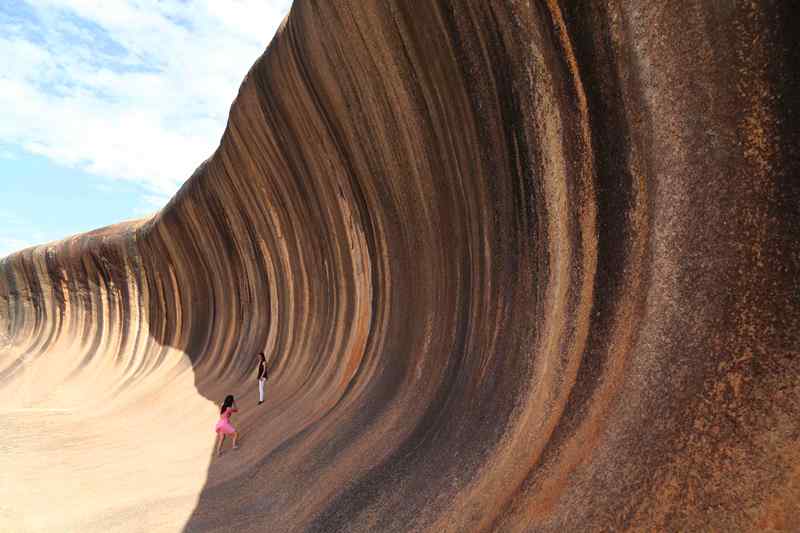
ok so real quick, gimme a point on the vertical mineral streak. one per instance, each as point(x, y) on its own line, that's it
point(519, 266)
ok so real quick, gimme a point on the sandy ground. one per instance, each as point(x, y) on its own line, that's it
point(83, 457)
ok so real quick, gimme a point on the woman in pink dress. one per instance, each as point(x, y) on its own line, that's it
point(224, 426)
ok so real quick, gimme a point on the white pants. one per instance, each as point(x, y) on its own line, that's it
point(261, 389)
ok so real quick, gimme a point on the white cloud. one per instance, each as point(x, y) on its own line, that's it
point(155, 200)
point(10, 245)
point(9, 218)
point(128, 89)
point(10, 221)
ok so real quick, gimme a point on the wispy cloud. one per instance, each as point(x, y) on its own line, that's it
point(11, 222)
point(127, 89)
point(10, 245)
point(9, 218)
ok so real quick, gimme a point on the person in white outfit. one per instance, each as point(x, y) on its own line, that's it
point(262, 376)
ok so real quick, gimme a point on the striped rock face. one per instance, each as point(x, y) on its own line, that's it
point(516, 266)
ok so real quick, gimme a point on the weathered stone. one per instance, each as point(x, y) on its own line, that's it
point(519, 266)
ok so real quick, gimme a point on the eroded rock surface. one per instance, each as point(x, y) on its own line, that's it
point(520, 266)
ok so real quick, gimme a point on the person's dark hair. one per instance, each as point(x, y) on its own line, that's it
point(263, 357)
point(227, 403)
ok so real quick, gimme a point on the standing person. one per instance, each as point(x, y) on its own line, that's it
point(224, 426)
point(262, 376)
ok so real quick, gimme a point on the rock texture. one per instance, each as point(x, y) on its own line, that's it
point(518, 266)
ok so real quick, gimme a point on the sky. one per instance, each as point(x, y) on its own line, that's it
point(108, 106)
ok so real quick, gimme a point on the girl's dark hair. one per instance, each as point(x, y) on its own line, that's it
point(263, 357)
point(227, 403)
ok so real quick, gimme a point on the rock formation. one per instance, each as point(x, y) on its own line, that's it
point(517, 265)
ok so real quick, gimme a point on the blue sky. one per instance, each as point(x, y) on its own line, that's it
point(107, 106)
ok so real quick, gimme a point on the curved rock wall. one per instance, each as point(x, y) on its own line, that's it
point(518, 266)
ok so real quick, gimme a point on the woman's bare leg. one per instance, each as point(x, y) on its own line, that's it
point(220, 440)
point(235, 436)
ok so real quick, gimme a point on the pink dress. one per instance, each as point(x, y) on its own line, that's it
point(224, 422)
